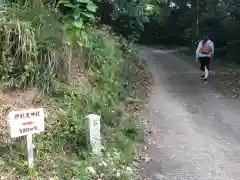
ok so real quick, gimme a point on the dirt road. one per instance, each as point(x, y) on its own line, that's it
point(196, 129)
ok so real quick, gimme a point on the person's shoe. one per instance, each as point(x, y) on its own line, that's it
point(205, 80)
point(202, 77)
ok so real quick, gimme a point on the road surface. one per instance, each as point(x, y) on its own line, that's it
point(195, 128)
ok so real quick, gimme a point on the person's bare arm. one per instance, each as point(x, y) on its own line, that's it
point(212, 50)
point(197, 50)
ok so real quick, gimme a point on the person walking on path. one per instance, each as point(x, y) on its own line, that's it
point(204, 54)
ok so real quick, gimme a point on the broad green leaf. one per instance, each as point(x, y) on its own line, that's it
point(76, 13)
point(70, 35)
point(80, 43)
point(78, 24)
point(88, 15)
point(63, 2)
point(149, 7)
point(69, 5)
point(76, 16)
point(83, 1)
point(92, 7)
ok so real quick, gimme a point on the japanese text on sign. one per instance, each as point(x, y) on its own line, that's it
point(27, 115)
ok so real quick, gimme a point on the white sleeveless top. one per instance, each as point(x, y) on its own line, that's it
point(210, 44)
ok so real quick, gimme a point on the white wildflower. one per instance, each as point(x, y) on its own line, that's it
point(129, 170)
point(91, 170)
point(117, 155)
point(123, 167)
point(54, 178)
point(117, 173)
point(103, 164)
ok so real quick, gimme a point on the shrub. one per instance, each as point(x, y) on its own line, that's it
point(126, 17)
point(78, 9)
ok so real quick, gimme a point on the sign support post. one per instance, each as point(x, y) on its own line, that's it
point(30, 152)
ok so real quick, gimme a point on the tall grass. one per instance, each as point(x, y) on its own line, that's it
point(33, 50)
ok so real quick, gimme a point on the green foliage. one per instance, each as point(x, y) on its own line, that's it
point(126, 17)
point(78, 9)
point(29, 55)
point(36, 49)
point(64, 141)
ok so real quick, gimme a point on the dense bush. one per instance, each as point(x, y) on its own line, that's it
point(126, 17)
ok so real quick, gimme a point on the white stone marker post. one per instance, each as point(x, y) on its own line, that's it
point(93, 127)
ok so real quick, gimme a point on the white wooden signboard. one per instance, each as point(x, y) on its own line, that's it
point(93, 133)
point(24, 122)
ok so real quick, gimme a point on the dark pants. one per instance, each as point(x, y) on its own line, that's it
point(204, 62)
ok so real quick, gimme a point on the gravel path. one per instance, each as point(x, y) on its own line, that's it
point(195, 128)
